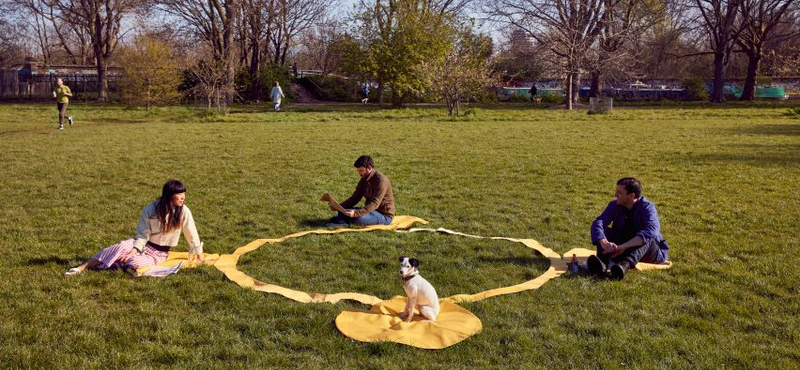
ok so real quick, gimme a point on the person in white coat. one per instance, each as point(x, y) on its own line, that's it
point(276, 95)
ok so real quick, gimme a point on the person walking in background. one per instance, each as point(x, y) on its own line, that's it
point(366, 93)
point(533, 94)
point(62, 93)
point(294, 69)
point(276, 95)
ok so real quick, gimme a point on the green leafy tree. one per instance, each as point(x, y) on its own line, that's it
point(397, 37)
point(151, 75)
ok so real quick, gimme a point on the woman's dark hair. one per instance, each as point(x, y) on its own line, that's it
point(364, 161)
point(168, 215)
point(632, 185)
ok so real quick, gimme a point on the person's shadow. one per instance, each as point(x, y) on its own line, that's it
point(51, 259)
point(313, 223)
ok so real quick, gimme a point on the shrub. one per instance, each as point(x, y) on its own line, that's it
point(332, 88)
point(257, 88)
point(695, 88)
point(151, 75)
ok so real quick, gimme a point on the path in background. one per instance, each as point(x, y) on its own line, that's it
point(301, 95)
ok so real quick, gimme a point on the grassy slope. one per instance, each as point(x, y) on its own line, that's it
point(725, 183)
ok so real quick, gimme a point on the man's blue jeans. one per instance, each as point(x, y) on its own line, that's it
point(372, 218)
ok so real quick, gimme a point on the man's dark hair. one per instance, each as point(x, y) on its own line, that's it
point(364, 161)
point(632, 185)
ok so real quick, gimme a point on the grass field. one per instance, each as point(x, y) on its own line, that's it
point(726, 183)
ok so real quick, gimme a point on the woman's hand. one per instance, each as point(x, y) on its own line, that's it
point(128, 256)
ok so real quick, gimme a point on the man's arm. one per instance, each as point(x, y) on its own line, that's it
point(355, 198)
point(600, 223)
point(373, 204)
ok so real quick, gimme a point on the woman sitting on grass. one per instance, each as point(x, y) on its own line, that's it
point(159, 229)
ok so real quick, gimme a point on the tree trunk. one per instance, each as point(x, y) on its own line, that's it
point(380, 92)
point(568, 91)
point(102, 79)
point(753, 62)
point(595, 89)
point(576, 87)
point(718, 93)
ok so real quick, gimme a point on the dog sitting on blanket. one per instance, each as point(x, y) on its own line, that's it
point(421, 294)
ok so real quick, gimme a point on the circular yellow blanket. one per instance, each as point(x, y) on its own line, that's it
point(382, 324)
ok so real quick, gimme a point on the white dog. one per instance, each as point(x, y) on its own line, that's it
point(420, 292)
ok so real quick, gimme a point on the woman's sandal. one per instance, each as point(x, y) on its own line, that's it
point(73, 271)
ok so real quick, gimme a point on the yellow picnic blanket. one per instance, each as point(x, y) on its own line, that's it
point(382, 324)
point(583, 254)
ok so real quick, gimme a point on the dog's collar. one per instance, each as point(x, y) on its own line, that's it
point(407, 278)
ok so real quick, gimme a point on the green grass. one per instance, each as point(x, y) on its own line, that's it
point(725, 181)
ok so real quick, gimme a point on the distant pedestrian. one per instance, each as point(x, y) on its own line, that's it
point(276, 95)
point(62, 93)
point(533, 94)
point(294, 69)
point(366, 93)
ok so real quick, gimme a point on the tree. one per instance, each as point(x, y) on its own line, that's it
point(568, 28)
point(518, 57)
point(318, 47)
point(719, 17)
point(214, 22)
point(151, 74)
point(293, 17)
point(759, 21)
point(397, 37)
point(463, 73)
point(621, 20)
point(102, 20)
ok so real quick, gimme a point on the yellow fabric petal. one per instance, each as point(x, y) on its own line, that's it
point(175, 258)
point(382, 324)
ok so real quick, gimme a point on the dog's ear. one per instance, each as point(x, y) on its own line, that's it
point(414, 262)
point(402, 258)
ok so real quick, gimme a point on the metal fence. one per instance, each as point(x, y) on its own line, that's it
point(13, 84)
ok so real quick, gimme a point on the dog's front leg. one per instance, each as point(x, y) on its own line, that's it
point(410, 304)
point(405, 309)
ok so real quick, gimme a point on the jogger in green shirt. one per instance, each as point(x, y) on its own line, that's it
point(62, 93)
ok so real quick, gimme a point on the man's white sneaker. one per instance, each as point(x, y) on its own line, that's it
point(60, 127)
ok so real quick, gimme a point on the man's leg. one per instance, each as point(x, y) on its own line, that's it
point(340, 220)
point(648, 253)
point(372, 218)
point(62, 112)
point(597, 263)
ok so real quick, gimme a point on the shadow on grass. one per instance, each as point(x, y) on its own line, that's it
point(755, 154)
point(537, 261)
point(120, 121)
point(52, 259)
point(786, 129)
point(313, 223)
